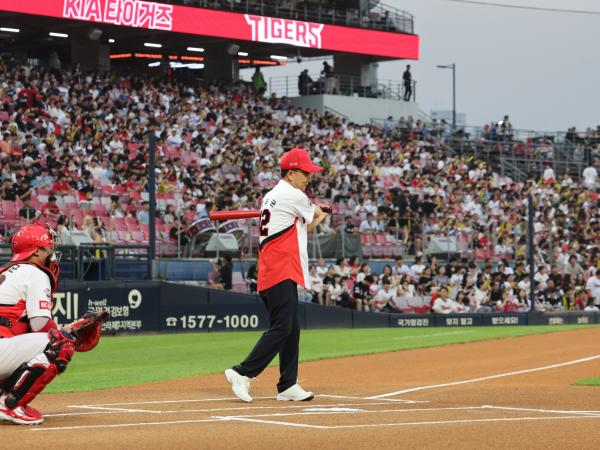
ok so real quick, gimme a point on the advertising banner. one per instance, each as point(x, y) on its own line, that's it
point(207, 22)
point(130, 308)
point(152, 306)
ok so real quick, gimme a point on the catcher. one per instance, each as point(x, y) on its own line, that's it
point(33, 351)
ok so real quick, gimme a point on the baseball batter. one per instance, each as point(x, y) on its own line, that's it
point(287, 215)
point(32, 350)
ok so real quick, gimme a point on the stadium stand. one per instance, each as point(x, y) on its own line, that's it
point(73, 145)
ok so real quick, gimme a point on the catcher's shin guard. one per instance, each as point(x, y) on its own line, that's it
point(25, 383)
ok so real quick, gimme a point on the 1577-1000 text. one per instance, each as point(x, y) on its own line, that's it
point(199, 321)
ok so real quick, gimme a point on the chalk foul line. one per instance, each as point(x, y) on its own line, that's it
point(489, 377)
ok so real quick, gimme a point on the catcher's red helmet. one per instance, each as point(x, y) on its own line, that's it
point(29, 238)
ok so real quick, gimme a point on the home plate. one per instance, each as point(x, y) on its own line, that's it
point(333, 410)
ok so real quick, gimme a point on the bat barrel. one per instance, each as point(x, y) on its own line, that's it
point(232, 215)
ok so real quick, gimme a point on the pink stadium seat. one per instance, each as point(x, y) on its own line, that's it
point(380, 239)
point(130, 226)
point(124, 236)
point(118, 224)
point(137, 236)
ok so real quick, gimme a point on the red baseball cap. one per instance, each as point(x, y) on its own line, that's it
point(297, 158)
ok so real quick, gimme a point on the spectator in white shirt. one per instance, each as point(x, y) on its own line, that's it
point(383, 300)
point(542, 275)
point(549, 176)
point(444, 305)
point(369, 225)
point(316, 285)
point(342, 268)
point(593, 288)
point(321, 267)
point(590, 176)
point(417, 268)
point(399, 267)
point(175, 139)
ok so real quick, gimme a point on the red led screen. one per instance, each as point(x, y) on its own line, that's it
point(207, 22)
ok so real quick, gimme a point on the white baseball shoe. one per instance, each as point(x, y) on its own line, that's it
point(295, 394)
point(22, 415)
point(240, 385)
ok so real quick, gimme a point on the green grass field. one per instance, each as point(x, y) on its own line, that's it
point(126, 360)
point(589, 382)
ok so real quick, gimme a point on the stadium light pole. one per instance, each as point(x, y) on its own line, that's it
point(453, 67)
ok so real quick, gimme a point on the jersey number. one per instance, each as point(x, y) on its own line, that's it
point(265, 216)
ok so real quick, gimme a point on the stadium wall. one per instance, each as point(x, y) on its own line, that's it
point(154, 306)
point(358, 109)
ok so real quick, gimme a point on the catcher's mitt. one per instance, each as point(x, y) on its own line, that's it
point(87, 329)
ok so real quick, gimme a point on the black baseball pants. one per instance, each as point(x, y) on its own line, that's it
point(283, 336)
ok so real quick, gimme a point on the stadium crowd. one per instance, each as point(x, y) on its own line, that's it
point(73, 151)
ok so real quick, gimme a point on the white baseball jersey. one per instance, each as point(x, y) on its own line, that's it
point(24, 293)
point(284, 217)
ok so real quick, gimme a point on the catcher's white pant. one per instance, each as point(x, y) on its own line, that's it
point(17, 350)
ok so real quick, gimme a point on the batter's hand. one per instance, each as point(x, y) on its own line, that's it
point(324, 208)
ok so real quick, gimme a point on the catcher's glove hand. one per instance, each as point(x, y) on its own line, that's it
point(87, 329)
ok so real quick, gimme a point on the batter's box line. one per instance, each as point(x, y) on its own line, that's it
point(109, 410)
point(546, 411)
point(406, 424)
point(391, 400)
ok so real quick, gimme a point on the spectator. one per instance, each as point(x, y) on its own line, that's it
point(27, 211)
point(321, 267)
point(342, 268)
point(305, 83)
point(169, 214)
point(316, 286)
point(361, 294)
point(369, 225)
point(144, 214)
point(407, 79)
point(61, 187)
point(177, 234)
point(399, 267)
point(441, 279)
point(591, 306)
point(417, 268)
point(51, 209)
point(383, 301)
point(445, 305)
point(252, 277)
point(258, 81)
point(593, 288)
point(348, 226)
point(590, 176)
point(224, 267)
point(116, 209)
point(9, 190)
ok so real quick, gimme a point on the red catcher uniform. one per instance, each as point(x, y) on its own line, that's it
point(284, 217)
point(29, 359)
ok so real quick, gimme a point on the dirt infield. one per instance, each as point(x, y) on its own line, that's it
point(513, 392)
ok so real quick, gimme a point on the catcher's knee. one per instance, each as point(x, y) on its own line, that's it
point(32, 377)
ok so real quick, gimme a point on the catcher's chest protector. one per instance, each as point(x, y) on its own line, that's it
point(13, 319)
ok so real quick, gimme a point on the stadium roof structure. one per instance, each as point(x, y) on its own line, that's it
point(127, 25)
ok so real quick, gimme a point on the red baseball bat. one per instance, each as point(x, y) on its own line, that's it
point(232, 215)
point(244, 214)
